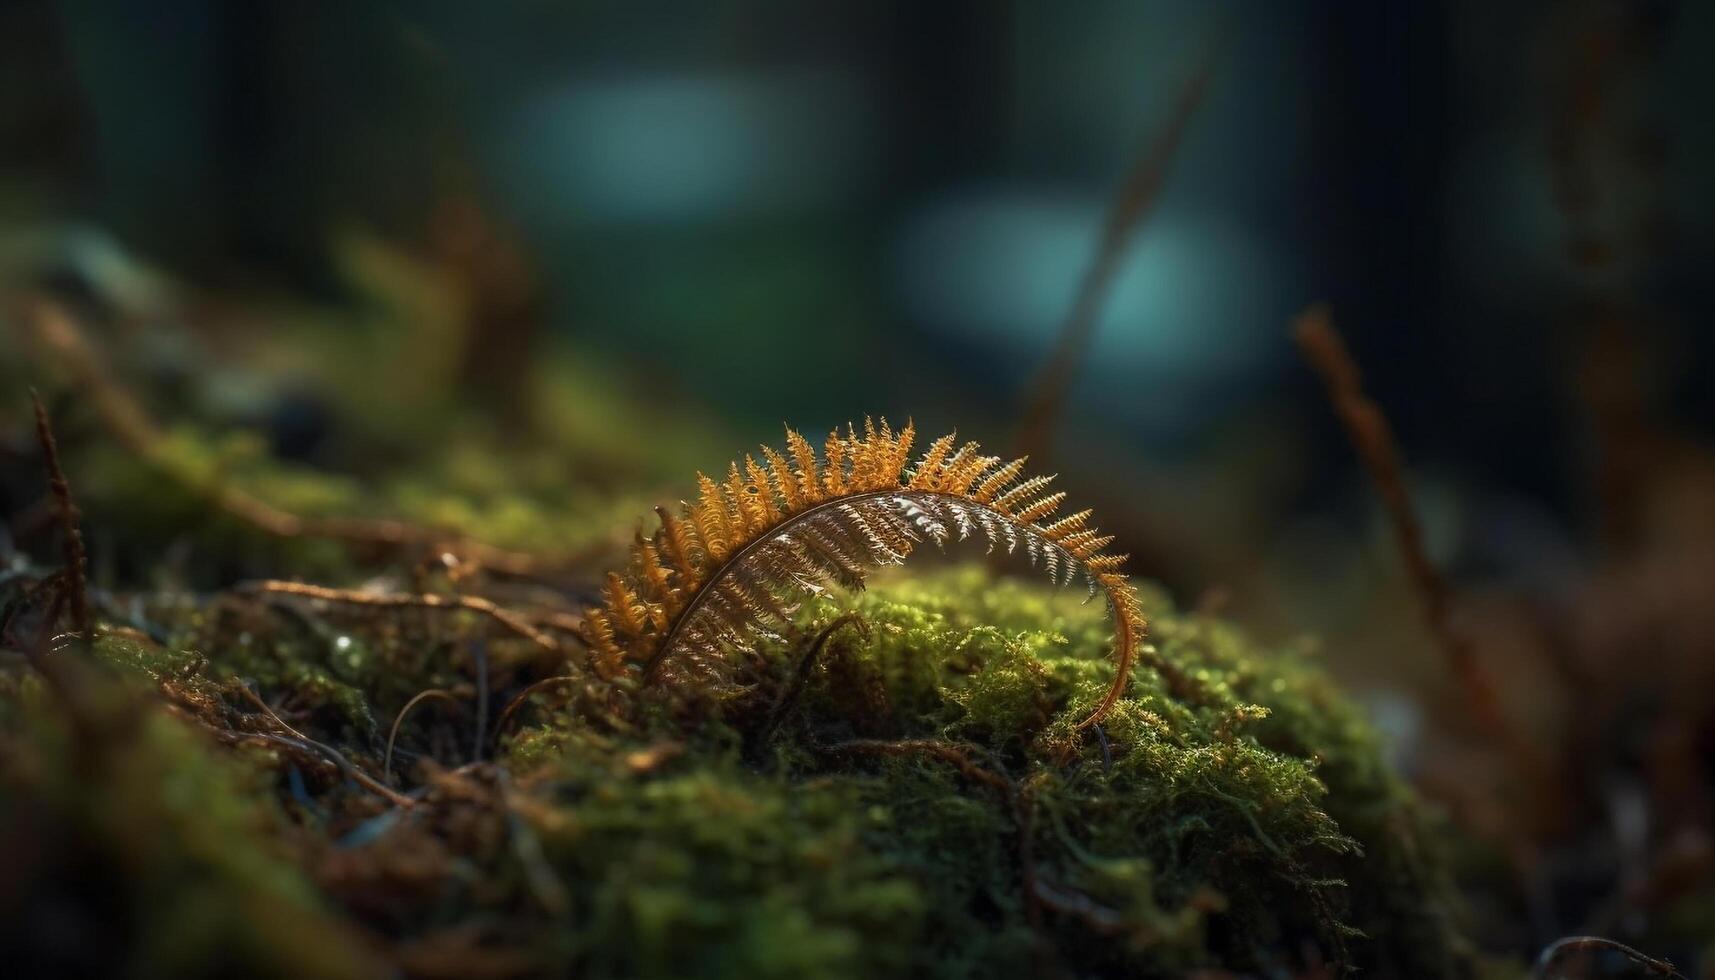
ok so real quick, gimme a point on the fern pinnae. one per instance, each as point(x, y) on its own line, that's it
point(727, 568)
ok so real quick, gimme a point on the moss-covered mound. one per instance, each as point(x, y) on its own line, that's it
point(900, 791)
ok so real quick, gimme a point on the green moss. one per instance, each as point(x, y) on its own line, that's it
point(134, 843)
point(922, 805)
point(699, 867)
point(1182, 814)
point(471, 490)
point(1181, 835)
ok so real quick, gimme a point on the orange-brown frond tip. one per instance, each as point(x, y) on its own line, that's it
point(805, 471)
point(1089, 548)
point(996, 481)
point(781, 480)
point(656, 578)
point(762, 489)
point(961, 469)
point(1041, 508)
point(834, 472)
point(1068, 524)
point(927, 475)
point(709, 517)
point(676, 544)
point(745, 513)
point(1022, 492)
point(1106, 563)
point(623, 609)
point(902, 449)
point(605, 652)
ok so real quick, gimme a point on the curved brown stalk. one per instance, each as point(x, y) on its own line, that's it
point(1563, 949)
point(1367, 427)
point(524, 695)
point(399, 719)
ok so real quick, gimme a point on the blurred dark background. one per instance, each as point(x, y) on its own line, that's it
point(805, 213)
point(520, 267)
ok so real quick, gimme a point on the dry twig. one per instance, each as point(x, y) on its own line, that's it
point(1561, 948)
point(304, 743)
point(327, 753)
point(407, 600)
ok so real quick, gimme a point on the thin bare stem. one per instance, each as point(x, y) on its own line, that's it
point(399, 719)
point(1131, 205)
point(1372, 437)
point(268, 709)
point(303, 742)
point(479, 660)
point(332, 755)
point(71, 538)
point(807, 663)
point(1561, 948)
point(406, 600)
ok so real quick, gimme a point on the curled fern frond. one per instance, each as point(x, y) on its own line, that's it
point(727, 569)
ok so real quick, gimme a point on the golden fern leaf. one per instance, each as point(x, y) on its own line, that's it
point(993, 482)
point(605, 650)
point(675, 544)
point(927, 475)
point(834, 469)
point(1068, 525)
point(744, 504)
point(728, 569)
point(781, 478)
point(656, 578)
point(629, 616)
point(708, 518)
point(807, 474)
